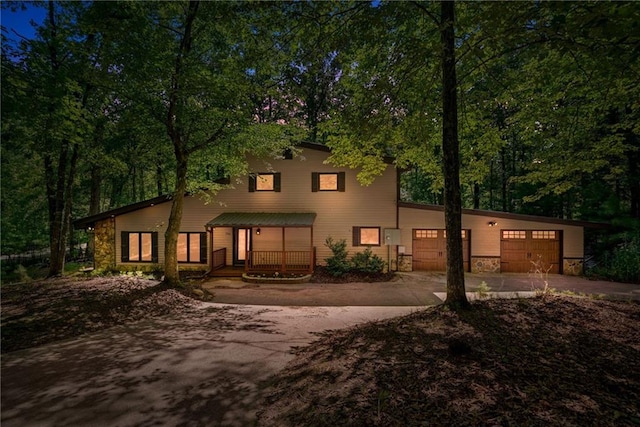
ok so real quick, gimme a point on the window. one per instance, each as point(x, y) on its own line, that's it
point(366, 236)
point(264, 182)
point(139, 246)
point(321, 181)
point(514, 234)
point(192, 247)
point(543, 234)
point(463, 234)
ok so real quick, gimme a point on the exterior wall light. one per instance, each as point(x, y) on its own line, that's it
point(493, 223)
point(258, 231)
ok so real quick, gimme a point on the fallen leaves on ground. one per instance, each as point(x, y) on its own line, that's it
point(45, 311)
point(556, 360)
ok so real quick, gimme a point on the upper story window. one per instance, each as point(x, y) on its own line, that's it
point(327, 181)
point(366, 236)
point(139, 246)
point(264, 182)
point(192, 247)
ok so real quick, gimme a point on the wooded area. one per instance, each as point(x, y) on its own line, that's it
point(117, 102)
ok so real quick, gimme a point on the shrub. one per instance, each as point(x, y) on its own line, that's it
point(338, 264)
point(367, 262)
point(621, 264)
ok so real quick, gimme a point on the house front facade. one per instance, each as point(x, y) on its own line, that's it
point(279, 216)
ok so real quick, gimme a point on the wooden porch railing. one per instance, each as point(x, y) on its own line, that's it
point(219, 258)
point(281, 261)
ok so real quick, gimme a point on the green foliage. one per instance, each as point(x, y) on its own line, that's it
point(620, 263)
point(367, 262)
point(483, 290)
point(337, 264)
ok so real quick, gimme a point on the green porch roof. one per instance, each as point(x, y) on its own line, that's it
point(262, 219)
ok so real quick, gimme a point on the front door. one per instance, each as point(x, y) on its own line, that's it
point(241, 245)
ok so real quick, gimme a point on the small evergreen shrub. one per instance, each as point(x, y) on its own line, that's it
point(337, 264)
point(367, 262)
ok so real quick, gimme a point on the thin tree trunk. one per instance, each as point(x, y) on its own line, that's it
point(159, 180)
point(94, 200)
point(456, 296)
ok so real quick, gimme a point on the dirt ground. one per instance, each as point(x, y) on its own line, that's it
point(127, 351)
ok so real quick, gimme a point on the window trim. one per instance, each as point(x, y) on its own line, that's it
point(315, 181)
point(203, 247)
point(253, 178)
point(357, 236)
point(124, 246)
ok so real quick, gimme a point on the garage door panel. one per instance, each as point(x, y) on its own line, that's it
point(430, 250)
point(525, 251)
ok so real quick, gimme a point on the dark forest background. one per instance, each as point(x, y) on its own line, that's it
point(95, 106)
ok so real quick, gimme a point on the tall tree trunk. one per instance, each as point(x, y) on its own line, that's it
point(94, 200)
point(174, 130)
point(476, 195)
point(59, 227)
point(159, 179)
point(456, 296)
point(504, 180)
point(171, 273)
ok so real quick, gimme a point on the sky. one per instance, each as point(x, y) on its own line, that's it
point(19, 20)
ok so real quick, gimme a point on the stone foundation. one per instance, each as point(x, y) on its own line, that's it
point(405, 263)
point(573, 266)
point(485, 264)
point(105, 244)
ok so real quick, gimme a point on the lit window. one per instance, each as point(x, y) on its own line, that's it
point(543, 234)
point(192, 247)
point(264, 182)
point(139, 247)
point(514, 234)
point(321, 181)
point(366, 236)
point(328, 182)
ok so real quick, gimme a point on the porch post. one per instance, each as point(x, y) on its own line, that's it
point(312, 258)
point(284, 251)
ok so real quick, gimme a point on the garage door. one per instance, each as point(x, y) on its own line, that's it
point(524, 251)
point(430, 249)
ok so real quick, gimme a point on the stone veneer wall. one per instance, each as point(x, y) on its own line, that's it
point(573, 266)
point(405, 263)
point(485, 264)
point(105, 244)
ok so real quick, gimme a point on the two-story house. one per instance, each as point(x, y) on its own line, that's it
point(279, 218)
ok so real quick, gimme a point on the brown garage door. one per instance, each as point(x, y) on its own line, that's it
point(524, 251)
point(430, 249)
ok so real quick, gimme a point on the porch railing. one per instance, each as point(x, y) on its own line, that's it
point(219, 258)
point(281, 261)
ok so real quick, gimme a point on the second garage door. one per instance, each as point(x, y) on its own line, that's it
point(430, 249)
point(524, 251)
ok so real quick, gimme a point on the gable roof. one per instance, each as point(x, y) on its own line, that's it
point(90, 221)
point(508, 215)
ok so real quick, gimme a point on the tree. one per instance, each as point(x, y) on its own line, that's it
point(193, 70)
point(53, 91)
point(456, 296)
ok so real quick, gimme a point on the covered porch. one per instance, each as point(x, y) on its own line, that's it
point(248, 242)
